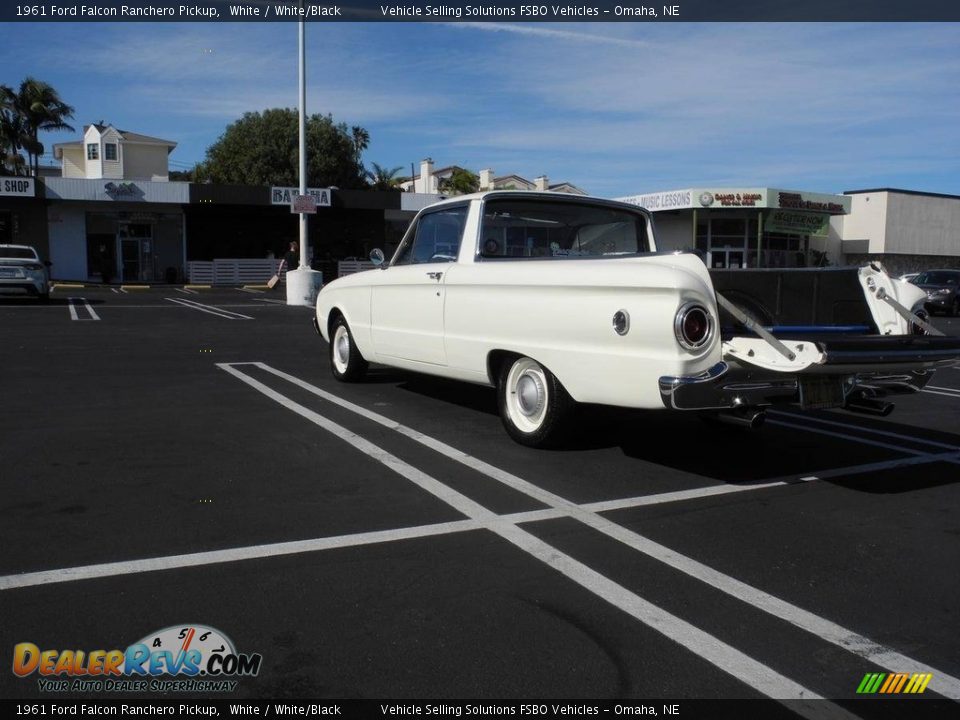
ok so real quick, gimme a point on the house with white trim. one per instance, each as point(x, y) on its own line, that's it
point(106, 153)
point(429, 179)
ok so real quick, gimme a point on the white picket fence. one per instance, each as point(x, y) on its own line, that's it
point(232, 271)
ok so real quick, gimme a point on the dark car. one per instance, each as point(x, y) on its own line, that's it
point(941, 287)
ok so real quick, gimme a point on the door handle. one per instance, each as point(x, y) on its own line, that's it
point(435, 275)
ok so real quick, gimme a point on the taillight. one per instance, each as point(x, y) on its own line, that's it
point(693, 326)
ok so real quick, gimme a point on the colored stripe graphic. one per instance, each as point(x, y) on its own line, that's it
point(894, 683)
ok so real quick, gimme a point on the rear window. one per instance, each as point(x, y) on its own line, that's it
point(18, 253)
point(534, 228)
point(937, 277)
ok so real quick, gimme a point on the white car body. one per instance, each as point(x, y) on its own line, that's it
point(21, 269)
point(461, 313)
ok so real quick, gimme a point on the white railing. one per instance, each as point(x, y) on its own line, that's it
point(232, 271)
point(348, 267)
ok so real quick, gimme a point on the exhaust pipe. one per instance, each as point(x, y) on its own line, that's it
point(752, 418)
point(870, 406)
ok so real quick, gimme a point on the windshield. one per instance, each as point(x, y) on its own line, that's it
point(936, 278)
point(535, 228)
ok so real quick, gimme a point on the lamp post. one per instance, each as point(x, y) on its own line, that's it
point(303, 284)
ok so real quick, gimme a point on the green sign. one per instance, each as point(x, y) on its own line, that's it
point(794, 222)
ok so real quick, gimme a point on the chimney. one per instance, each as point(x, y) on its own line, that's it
point(486, 179)
point(541, 183)
point(428, 183)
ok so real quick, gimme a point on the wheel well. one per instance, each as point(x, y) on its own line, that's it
point(495, 362)
point(331, 319)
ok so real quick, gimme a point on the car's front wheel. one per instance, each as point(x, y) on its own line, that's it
point(346, 362)
point(534, 406)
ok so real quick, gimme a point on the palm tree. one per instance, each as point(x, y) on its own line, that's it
point(11, 132)
point(40, 108)
point(383, 178)
point(361, 140)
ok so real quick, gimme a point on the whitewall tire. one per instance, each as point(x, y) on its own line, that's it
point(533, 404)
point(346, 362)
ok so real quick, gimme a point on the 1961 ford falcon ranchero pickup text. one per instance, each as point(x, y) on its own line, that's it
point(557, 299)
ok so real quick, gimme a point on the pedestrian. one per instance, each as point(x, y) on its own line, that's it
point(291, 259)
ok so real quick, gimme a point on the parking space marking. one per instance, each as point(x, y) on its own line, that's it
point(935, 390)
point(253, 291)
point(211, 310)
point(187, 291)
point(213, 557)
point(74, 315)
point(798, 617)
point(877, 466)
point(269, 300)
point(725, 657)
point(865, 429)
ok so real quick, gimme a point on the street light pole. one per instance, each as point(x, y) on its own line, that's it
point(302, 74)
point(303, 284)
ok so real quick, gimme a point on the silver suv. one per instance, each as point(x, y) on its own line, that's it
point(21, 269)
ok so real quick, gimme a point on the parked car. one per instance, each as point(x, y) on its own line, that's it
point(557, 299)
point(942, 288)
point(21, 269)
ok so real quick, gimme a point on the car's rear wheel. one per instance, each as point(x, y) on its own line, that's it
point(346, 362)
point(534, 406)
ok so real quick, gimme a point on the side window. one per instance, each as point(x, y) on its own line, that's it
point(436, 238)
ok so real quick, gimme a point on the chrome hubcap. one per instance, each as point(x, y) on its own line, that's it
point(343, 348)
point(529, 394)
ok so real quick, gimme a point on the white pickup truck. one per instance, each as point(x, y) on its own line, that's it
point(556, 299)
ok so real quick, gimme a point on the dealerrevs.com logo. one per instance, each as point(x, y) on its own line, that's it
point(188, 658)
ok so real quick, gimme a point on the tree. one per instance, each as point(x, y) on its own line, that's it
point(460, 182)
point(38, 107)
point(262, 148)
point(11, 133)
point(361, 141)
point(383, 178)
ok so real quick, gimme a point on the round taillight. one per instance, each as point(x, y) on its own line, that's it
point(693, 326)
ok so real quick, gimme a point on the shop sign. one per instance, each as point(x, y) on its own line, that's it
point(732, 198)
point(16, 187)
point(286, 195)
point(122, 191)
point(792, 222)
point(673, 200)
point(804, 201)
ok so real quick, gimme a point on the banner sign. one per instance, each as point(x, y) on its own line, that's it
point(792, 222)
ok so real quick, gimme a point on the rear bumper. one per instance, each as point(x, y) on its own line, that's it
point(729, 386)
point(34, 287)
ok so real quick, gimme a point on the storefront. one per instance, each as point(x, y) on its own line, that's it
point(23, 219)
point(116, 230)
point(747, 227)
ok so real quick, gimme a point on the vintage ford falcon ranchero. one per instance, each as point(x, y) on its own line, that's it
point(557, 299)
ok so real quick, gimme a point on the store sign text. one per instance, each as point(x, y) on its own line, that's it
point(796, 201)
point(21, 187)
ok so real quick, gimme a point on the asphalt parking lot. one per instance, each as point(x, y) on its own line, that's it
point(185, 457)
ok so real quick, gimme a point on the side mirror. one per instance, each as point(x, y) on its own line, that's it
point(376, 257)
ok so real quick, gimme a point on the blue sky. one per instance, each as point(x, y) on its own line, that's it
point(615, 108)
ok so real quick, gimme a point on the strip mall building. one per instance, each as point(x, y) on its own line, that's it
point(150, 230)
point(738, 227)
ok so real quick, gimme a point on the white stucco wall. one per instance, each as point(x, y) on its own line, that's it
point(922, 224)
point(867, 220)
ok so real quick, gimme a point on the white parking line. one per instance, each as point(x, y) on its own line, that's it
point(251, 291)
point(825, 629)
point(862, 429)
point(187, 291)
point(727, 658)
point(948, 392)
point(74, 315)
point(211, 310)
point(268, 300)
